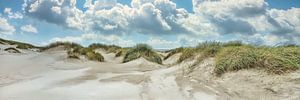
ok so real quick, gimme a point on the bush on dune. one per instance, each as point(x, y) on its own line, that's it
point(142, 50)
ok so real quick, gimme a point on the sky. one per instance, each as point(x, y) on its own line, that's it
point(163, 24)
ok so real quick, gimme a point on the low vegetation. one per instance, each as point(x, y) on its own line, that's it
point(122, 52)
point(12, 50)
point(109, 48)
point(173, 51)
point(275, 60)
point(234, 55)
point(19, 45)
point(89, 53)
point(142, 50)
point(67, 45)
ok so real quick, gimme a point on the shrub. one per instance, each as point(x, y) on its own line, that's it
point(142, 50)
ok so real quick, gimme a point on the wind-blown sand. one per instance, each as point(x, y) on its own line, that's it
point(50, 75)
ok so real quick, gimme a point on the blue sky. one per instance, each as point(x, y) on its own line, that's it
point(160, 23)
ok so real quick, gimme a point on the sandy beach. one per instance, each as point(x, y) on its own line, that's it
point(50, 75)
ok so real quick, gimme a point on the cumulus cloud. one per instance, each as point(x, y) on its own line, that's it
point(12, 15)
point(210, 19)
point(5, 27)
point(59, 12)
point(29, 29)
point(108, 16)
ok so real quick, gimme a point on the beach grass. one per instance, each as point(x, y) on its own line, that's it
point(142, 50)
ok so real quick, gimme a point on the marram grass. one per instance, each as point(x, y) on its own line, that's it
point(142, 50)
point(275, 60)
point(234, 56)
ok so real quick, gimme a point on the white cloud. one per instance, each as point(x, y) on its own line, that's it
point(211, 19)
point(29, 29)
point(5, 27)
point(12, 15)
point(52, 11)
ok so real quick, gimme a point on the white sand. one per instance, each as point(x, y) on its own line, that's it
point(50, 75)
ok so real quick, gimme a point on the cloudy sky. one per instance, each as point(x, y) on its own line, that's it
point(159, 23)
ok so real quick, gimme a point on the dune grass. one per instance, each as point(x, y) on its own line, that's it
point(12, 50)
point(275, 60)
point(173, 51)
point(20, 45)
point(89, 53)
point(122, 52)
point(234, 56)
point(108, 48)
point(67, 45)
point(142, 50)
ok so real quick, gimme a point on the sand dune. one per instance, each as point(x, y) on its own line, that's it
point(50, 75)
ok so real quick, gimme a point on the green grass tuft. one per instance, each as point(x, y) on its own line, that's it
point(142, 50)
